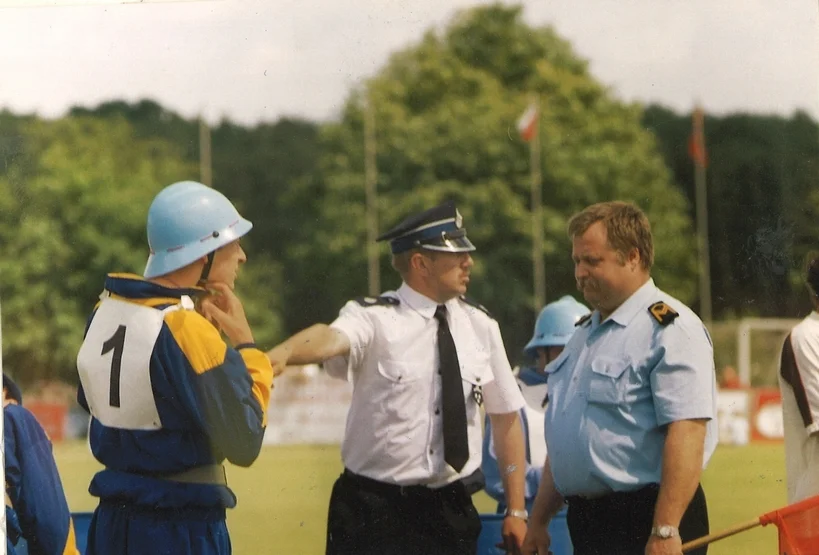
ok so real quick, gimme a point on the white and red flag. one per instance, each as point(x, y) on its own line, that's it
point(527, 124)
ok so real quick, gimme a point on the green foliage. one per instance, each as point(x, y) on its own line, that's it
point(150, 120)
point(763, 205)
point(269, 173)
point(75, 191)
point(446, 112)
point(74, 206)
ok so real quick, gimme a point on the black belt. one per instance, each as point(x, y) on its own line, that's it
point(613, 498)
point(467, 484)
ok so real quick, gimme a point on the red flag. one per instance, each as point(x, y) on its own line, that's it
point(696, 141)
point(798, 526)
point(527, 124)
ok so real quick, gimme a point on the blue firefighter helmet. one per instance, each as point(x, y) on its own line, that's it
point(555, 324)
point(188, 220)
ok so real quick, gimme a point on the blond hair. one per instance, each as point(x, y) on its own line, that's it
point(627, 228)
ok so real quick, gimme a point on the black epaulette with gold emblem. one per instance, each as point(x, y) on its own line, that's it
point(378, 301)
point(476, 304)
point(663, 313)
point(583, 319)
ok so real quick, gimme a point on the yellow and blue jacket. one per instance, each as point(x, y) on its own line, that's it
point(209, 400)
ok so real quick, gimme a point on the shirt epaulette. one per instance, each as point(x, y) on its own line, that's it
point(378, 301)
point(476, 304)
point(583, 319)
point(663, 313)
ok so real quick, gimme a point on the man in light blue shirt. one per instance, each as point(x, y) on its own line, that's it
point(631, 420)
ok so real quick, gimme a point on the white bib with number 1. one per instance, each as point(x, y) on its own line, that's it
point(114, 363)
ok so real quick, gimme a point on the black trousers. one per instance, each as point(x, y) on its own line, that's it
point(368, 517)
point(620, 523)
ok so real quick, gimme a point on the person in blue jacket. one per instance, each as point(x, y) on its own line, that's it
point(170, 400)
point(36, 509)
point(554, 326)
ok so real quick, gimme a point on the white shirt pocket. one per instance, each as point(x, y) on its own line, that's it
point(476, 365)
point(399, 371)
point(607, 383)
point(399, 392)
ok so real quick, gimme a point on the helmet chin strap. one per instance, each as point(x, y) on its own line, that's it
point(203, 278)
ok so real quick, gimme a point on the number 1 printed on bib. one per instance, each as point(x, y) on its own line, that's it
point(114, 365)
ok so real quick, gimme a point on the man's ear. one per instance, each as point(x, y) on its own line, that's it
point(419, 263)
point(416, 262)
point(633, 259)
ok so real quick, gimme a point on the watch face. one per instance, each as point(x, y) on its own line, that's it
point(665, 531)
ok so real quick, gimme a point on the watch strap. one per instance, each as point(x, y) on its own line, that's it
point(522, 514)
point(665, 531)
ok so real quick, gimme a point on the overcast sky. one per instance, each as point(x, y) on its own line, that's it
point(258, 60)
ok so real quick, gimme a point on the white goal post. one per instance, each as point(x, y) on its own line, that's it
point(746, 327)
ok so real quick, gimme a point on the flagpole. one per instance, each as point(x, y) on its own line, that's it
point(702, 216)
point(371, 194)
point(538, 269)
point(205, 164)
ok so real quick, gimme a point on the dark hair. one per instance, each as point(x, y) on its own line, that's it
point(12, 390)
point(812, 273)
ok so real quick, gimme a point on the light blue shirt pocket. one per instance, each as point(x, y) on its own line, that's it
point(607, 383)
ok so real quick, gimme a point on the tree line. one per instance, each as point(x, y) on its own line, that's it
point(75, 190)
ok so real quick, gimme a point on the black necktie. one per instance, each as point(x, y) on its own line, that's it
point(456, 443)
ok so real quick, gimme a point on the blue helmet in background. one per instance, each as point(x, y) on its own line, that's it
point(555, 324)
point(188, 220)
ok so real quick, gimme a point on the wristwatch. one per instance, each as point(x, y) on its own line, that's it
point(522, 514)
point(664, 531)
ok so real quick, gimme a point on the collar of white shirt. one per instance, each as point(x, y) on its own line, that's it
point(421, 304)
point(626, 312)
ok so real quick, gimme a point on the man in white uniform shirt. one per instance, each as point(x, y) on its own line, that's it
point(423, 360)
point(799, 383)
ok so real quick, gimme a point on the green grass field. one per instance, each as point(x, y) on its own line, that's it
point(283, 497)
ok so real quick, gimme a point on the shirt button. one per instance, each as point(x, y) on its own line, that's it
point(437, 411)
point(478, 380)
point(430, 451)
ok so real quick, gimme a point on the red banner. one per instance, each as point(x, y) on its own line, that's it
point(51, 417)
